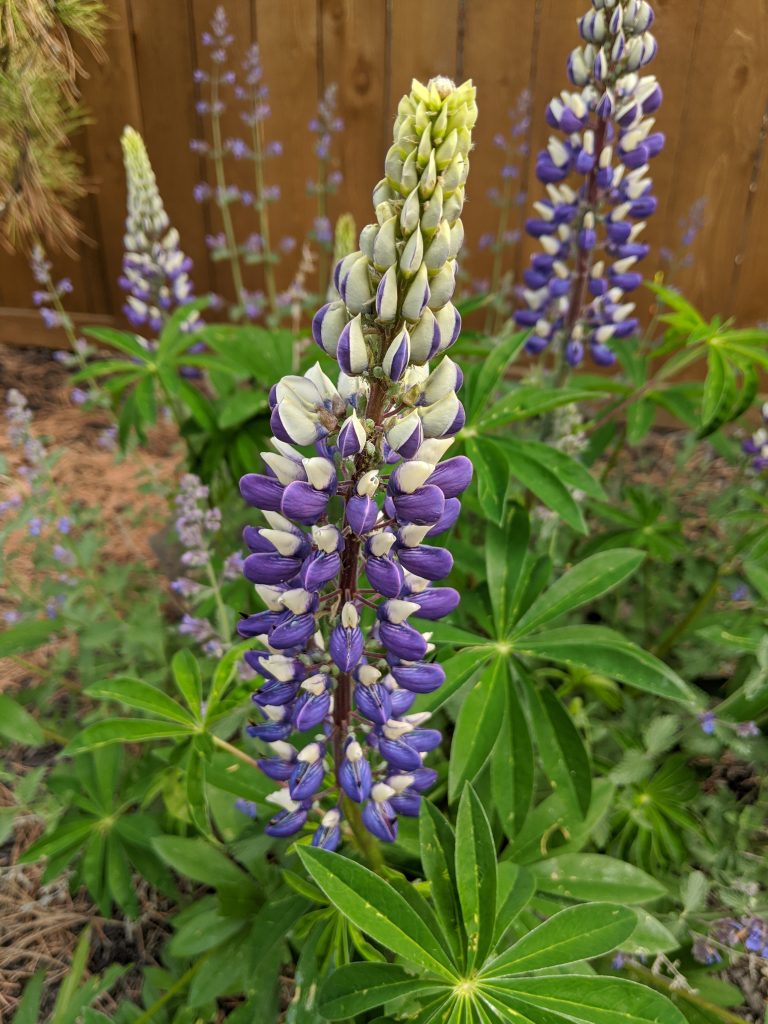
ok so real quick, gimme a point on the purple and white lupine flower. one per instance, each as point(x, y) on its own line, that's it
point(756, 446)
point(598, 190)
point(155, 269)
point(353, 492)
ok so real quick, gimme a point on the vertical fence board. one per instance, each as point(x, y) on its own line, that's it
point(719, 134)
point(423, 45)
point(111, 96)
point(712, 66)
point(353, 47)
point(498, 58)
point(750, 282)
point(293, 83)
point(163, 36)
point(242, 27)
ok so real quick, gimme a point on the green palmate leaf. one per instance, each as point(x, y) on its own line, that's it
point(575, 999)
point(604, 651)
point(121, 340)
point(200, 861)
point(101, 367)
point(126, 730)
point(477, 726)
point(63, 837)
point(650, 936)
point(240, 407)
point(376, 908)
point(475, 875)
point(186, 675)
point(224, 673)
point(592, 876)
point(197, 802)
point(17, 725)
point(556, 817)
point(577, 933)
point(529, 400)
point(249, 350)
point(516, 888)
point(640, 417)
point(491, 373)
point(201, 410)
point(588, 580)
point(356, 988)
point(437, 847)
point(492, 472)
point(565, 468)
point(547, 486)
point(26, 636)
point(173, 340)
point(562, 752)
point(506, 558)
point(145, 403)
point(446, 635)
point(458, 671)
point(512, 768)
point(135, 693)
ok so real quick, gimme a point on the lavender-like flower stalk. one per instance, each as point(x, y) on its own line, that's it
point(324, 126)
point(248, 88)
point(339, 654)
point(196, 525)
point(155, 269)
point(757, 445)
point(598, 190)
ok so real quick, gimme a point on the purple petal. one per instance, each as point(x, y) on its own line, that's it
point(261, 491)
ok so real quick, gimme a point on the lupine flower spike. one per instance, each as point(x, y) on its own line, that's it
point(155, 270)
point(595, 170)
point(353, 491)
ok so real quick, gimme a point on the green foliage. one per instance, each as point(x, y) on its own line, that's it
point(468, 967)
point(599, 790)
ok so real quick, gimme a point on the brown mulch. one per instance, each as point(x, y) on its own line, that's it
point(86, 474)
point(40, 923)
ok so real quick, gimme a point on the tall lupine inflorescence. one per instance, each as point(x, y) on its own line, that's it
point(155, 269)
point(353, 492)
point(595, 169)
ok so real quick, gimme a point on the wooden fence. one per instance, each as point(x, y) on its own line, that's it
point(712, 63)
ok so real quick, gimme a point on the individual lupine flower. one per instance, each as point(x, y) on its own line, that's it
point(707, 722)
point(155, 269)
point(705, 953)
point(756, 446)
point(599, 194)
point(355, 488)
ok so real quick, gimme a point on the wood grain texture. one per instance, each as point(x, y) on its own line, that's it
point(497, 56)
point(718, 142)
point(353, 45)
point(165, 58)
point(712, 63)
point(291, 29)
